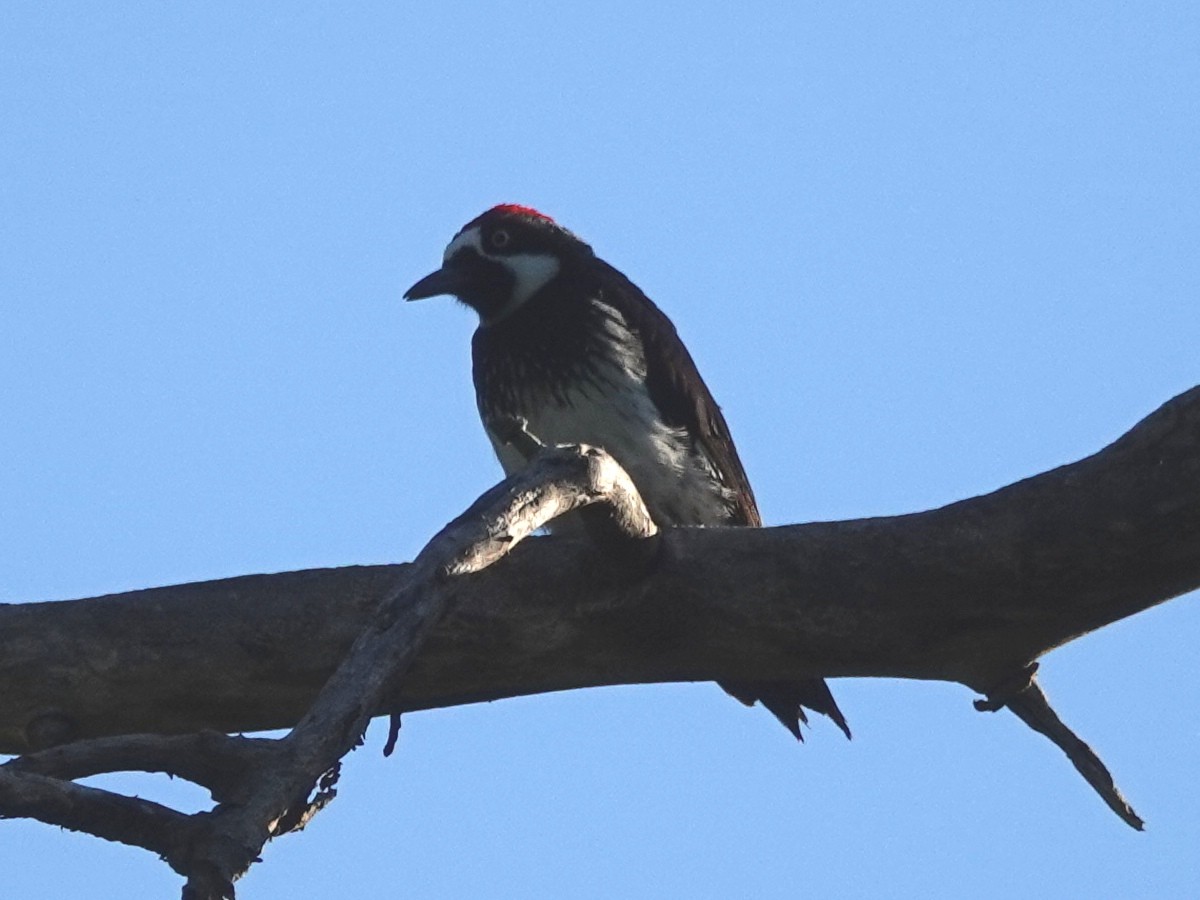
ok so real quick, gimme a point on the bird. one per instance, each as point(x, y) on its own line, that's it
point(570, 345)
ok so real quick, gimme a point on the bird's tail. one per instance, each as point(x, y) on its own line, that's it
point(786, 701)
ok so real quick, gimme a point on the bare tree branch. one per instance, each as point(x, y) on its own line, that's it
point(211, 759)
point(127, 820)
point(973, 592)
point(1033, 708)
point(970, 592)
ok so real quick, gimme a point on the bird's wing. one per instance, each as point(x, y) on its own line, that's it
point(684, 400)
point(678, 390)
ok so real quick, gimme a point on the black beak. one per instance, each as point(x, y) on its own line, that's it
point(443, 281)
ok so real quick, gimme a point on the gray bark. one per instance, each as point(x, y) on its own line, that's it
point(973, 592)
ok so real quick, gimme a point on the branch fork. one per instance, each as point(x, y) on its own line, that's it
point(265, 788)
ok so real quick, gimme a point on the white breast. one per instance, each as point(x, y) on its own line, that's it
point(612, 409)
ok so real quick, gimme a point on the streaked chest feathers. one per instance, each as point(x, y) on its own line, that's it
point(589, 386)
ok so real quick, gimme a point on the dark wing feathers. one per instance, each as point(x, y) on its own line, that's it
point(678, 390)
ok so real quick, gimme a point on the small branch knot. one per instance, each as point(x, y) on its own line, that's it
point(50, 729)
point(1004, 692)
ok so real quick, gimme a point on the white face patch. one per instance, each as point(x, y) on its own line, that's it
point(531, 271)
point(469, 238)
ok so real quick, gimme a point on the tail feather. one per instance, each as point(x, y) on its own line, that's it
point(786, 700)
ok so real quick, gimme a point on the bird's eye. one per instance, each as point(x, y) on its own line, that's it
point(499, 239)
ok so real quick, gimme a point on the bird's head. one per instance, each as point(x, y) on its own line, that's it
point(500, 260)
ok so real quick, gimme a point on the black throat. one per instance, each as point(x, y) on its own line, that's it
point(556, 340)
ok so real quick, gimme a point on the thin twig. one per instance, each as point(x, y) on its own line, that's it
point(1033, 708)
point(105, 814)
point(211, 759)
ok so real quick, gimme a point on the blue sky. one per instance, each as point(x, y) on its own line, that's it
point(919, 251)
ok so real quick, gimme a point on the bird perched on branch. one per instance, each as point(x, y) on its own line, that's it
point(569, 344)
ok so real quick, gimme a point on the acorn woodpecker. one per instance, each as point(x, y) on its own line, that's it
point(568, 343)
